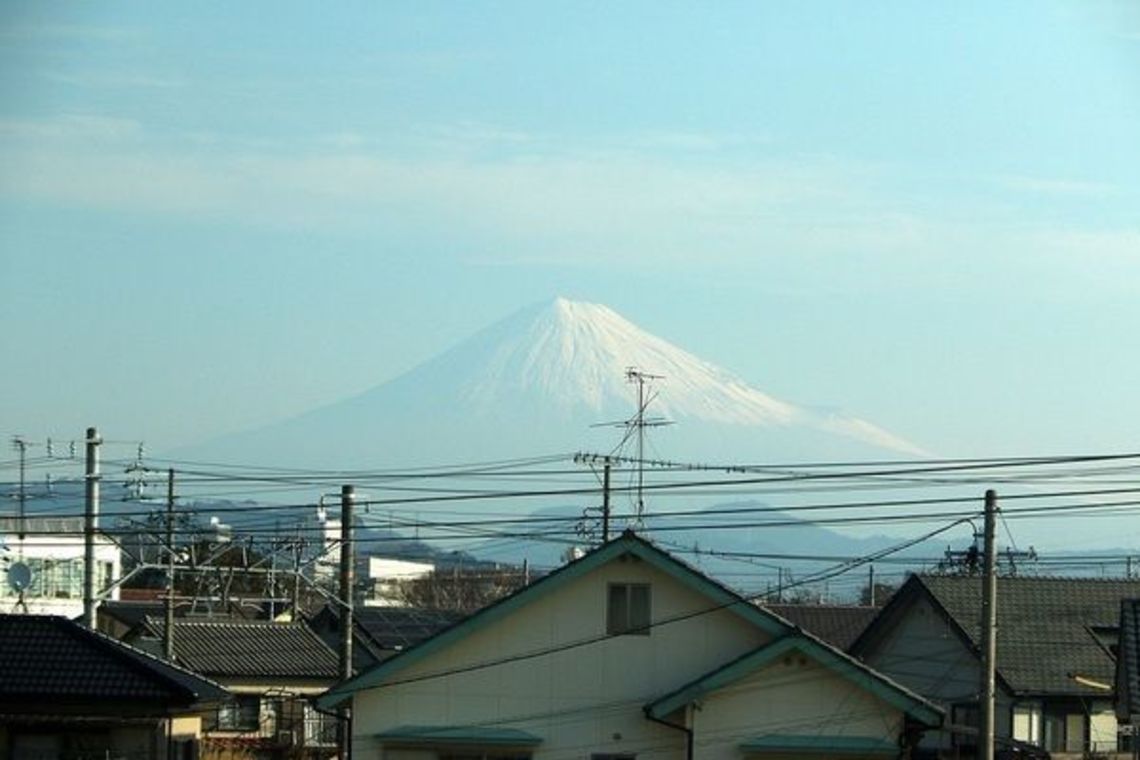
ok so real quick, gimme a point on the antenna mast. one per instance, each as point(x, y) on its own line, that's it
point(639, 422)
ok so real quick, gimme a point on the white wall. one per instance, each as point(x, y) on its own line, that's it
point(794, 695)
point(581, 700)
point(65, 599)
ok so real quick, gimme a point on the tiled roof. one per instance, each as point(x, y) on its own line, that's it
point(837, 625)
point(250, 648)
point(1047, 627)
point(53, 658)
point(402, 627)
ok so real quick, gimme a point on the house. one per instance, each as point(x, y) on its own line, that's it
point(381, 632)
point(66, 691)
point(273, 671)
point(1056, 641)
point(627, 652)
point(387, 574)
point(50, 551)
point(118, 619)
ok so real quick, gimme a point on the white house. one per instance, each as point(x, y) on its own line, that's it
point(51, 548)
point(385, 574)
point(627, 653)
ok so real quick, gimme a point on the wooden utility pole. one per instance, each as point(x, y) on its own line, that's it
point(989, 630)
point(168, 630)
point(90, 525)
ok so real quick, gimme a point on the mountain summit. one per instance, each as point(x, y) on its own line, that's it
point(538, 382)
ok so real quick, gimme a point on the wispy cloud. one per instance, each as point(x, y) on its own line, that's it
point(70, 32)
point(1051, 185)
point(70, 127)
point(113, 80)
point(612, 205)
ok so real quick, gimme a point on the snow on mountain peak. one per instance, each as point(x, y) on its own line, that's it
point(573, 354)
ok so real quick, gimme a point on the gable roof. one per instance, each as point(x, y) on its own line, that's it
point(1046, 626)
point(847, 667)
point(627, 543)
point(838, 625)
point(52, 659)
point(250, 648)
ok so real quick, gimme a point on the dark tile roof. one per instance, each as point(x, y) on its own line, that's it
point(1047, 627)
point(1128, 660)
point(55, 659)
point(837, 625)
point(402, 627)
point(226, 649)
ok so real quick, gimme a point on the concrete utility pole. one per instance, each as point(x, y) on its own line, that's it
point(90, 525)
point(168, 630)
point(606, 501)
point(22, 447)
point(989, 630)
point(347, 497)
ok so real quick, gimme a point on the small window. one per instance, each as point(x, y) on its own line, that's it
point(242, 714)
point(628, 609)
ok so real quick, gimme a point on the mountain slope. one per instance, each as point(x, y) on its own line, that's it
point(538, 382)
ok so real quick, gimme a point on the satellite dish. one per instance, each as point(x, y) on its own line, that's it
point(19, 576)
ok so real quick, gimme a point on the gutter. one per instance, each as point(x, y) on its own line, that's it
point(687, 731)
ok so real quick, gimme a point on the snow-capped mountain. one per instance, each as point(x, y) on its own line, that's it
point(539, 382)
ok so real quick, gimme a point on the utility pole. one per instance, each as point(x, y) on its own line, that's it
point(294, 615)
point(606, 501)
point(168, 630)
point(871, 585)
point(347, 497)
point(90, 525)
point(21, 446)
point(989, 629)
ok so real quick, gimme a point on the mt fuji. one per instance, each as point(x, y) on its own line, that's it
point(540, 382)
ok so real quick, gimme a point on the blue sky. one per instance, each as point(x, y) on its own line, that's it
point(216, 215)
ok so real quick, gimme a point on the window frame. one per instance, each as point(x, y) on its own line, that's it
point(629, 609)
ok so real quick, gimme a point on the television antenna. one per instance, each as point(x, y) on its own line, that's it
point(635, 428)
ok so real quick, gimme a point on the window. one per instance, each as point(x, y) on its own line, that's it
point(628, 609)
point(242, 714)
point(320, 728)
point(1027, 723)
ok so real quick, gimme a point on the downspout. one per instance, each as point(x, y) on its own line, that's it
point(688, 733)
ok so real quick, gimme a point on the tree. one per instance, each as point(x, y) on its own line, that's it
point(462, 589)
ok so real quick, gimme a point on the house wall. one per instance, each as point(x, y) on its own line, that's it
point(581, 700)
point(924, 653)
point(64, 595)
point(795, 695)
